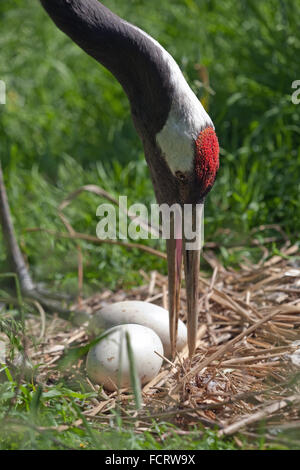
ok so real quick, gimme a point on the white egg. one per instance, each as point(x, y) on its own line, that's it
point(141, 313)
point(109, 359)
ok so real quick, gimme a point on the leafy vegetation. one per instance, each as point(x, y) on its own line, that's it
point(51, 419)
point(67, 123)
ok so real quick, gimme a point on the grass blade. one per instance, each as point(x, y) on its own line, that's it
point(135, 381)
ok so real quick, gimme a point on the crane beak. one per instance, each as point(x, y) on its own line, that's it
point(174, 255)
point(179, 248)
point(191, 269)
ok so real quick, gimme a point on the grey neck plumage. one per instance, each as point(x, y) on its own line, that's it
point(131, 56)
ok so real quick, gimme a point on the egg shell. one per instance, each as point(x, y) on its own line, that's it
point(106, 358)
point(141, 313)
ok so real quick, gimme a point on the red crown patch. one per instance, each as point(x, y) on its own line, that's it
point(207, 157)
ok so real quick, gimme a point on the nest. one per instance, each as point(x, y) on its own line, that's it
point(247, 358)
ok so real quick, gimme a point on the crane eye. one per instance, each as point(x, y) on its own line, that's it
point(181, 177)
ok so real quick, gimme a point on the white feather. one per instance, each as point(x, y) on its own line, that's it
point(187, 118)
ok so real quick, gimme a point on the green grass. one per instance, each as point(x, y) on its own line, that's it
point(33, 418)
point(39, 418)
point(67, 123)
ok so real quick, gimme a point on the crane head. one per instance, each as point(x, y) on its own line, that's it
point(189, 181)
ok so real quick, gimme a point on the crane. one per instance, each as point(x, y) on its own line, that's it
point(180, 144)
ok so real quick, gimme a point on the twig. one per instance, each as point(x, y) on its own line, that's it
point(43, 319)
point(15, 256)
point(28, 287)
point(99, 241)
point(227, 347)
point(259, 415)
point(92, 188)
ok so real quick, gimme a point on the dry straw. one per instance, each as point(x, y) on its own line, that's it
point(243, 369)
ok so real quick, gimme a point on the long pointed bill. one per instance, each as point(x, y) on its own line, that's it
point(193, 223)
point(191, 269)
point(189, 249)
point(174, 254)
